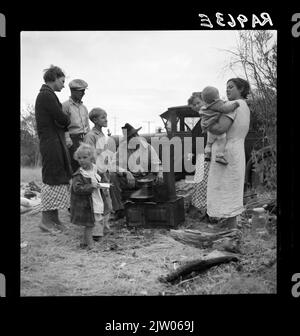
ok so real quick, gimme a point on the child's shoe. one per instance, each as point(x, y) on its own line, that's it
point(221, 159)
point(97, 238)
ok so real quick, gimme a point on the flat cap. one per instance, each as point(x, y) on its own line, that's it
point(78, 84)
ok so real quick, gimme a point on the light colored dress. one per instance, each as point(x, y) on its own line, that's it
point(97, 200)
point(225, 185)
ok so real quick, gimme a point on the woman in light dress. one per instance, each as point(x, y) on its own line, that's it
point(225, 185)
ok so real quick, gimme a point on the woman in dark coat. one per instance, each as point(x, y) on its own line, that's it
point(56, 168)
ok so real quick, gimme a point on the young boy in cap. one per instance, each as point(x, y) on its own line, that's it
point(79, 116)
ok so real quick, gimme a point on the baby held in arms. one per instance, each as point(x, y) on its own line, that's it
point(210, 114)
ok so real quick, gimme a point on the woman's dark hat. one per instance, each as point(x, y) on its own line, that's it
point(130, 129)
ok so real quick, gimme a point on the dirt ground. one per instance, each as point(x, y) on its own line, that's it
point(129, 262)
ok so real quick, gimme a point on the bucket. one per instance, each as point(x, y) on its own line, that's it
point(259, 221)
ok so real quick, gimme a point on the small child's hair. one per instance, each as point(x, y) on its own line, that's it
point(193, 96)
point(95, 112)
point(84, 148)
point(210, 94)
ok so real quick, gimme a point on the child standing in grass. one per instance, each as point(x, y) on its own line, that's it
point(89, 205)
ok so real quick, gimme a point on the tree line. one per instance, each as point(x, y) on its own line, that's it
point(256, 55)
point(30, 154)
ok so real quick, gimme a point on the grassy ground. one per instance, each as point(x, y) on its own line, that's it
point(28, 174)
point(129, 262)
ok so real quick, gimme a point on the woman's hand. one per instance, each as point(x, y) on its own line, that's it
point(95, 185)
point(69, 142)
point(221, 126)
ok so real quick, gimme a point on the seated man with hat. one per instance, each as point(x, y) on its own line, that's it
point(79, 116)
point(135, 159)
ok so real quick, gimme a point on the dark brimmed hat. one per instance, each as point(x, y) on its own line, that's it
point(78, 84)
point(130, 129)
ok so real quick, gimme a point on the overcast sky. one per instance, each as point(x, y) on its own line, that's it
point(133, 75)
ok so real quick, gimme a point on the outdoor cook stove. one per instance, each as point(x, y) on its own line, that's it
point(155, 205)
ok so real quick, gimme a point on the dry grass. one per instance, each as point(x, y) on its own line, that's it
point(125, 263)
point(129, 262)
point(29, 174)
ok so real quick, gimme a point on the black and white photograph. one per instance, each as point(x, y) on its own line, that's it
point(148, 162)
point(153, 169)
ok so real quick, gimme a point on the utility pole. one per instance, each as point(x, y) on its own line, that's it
point(148, 122)
point(115, 124)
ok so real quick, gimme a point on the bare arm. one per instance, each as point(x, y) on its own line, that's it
point(221, 126)
point(228, 107)
point(87, 121)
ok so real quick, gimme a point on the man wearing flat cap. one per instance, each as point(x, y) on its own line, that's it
point(79, 116)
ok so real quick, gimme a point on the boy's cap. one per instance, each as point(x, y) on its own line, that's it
point(78, 84)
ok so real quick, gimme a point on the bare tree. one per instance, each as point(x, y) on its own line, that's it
point(30, 154)
point(256, 55)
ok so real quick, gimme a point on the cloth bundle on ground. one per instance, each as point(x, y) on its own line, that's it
point(27, 205)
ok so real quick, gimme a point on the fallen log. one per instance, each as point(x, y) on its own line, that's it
point(198, 265)
point(202, 239)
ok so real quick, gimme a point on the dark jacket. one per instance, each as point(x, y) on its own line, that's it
point(51, 125)
point(82, 212)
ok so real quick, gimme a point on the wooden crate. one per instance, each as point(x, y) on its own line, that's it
point(155, 215)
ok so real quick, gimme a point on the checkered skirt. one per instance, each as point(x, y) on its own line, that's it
point(200, 188)
point(55, 197)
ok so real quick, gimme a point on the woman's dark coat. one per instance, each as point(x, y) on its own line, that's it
point(51, 126)
point(82, 211)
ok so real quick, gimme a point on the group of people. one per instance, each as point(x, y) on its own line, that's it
point(76, 176)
